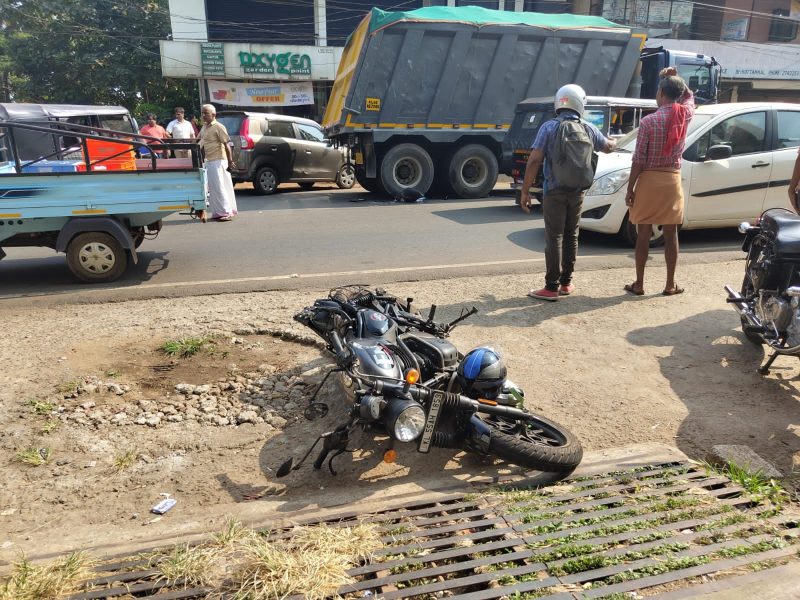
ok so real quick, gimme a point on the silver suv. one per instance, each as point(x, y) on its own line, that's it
point(270, 149)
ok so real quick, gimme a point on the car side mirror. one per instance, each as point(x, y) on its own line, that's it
point(719, 152)
point(327, 142)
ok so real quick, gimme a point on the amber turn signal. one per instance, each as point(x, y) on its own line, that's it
point(412, 376)
point(389, 456)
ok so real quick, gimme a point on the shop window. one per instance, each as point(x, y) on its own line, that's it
point(781, 30)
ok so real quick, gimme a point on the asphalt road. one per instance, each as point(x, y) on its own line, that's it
point(327, 236)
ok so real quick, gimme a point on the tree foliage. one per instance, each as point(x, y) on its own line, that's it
point(89, 52)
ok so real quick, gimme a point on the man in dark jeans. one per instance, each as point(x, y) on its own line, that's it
point(561, 207)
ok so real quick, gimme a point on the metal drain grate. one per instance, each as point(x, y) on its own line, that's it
point(648, 530)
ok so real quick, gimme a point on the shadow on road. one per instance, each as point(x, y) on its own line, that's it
point(712, 370)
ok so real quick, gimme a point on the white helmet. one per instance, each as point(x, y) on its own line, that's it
point(571, 96)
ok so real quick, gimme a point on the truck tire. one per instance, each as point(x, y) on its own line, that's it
point(473, 171)
point(96, 257)
point(371, 184)
point(406, 166)
point(266, 181)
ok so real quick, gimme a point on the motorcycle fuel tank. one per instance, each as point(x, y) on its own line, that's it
point(374, 324)
point(375, 359)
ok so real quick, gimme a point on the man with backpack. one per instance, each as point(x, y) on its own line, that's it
point(567, 146)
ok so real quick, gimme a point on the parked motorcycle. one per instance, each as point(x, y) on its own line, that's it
point(769, 301)
point(401, 376)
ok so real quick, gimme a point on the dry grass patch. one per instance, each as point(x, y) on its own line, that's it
point(237, 563)
point(313, 562)
point(49, 582)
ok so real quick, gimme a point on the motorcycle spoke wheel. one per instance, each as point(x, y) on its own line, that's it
point(537, 443)
point(536, 432)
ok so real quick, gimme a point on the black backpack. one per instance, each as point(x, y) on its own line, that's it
point(573, 160)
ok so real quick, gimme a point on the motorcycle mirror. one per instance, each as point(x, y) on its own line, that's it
point(285, 468)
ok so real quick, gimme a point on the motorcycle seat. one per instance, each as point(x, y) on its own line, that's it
point(785, 227)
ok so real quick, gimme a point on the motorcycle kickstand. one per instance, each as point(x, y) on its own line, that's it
point(764, 369)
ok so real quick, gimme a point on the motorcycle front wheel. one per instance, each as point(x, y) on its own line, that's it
point(537, 443)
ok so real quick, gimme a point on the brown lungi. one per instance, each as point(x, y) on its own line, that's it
point(658, 198)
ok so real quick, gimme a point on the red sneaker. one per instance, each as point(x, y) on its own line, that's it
point(544, 294)
point(566, 289)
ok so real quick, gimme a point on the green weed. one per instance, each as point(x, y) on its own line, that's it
point(41, 407)
point(34, 457)
point(186, 347)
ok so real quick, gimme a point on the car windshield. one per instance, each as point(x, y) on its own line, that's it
point(627, 143)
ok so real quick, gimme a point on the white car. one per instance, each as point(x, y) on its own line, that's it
point(737, 163)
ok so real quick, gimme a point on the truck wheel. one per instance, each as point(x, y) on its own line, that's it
point(628, 233)
point(266, 181)
point(94, 257)
point(473, 171)
point(370, 184)
point(406, 166)
point(346, 178)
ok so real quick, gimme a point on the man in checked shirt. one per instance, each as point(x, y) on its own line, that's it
point(655, 193)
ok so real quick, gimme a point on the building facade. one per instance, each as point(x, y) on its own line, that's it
point(279, 56)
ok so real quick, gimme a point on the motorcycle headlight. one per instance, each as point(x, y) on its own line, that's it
point(609, 184)
point(405, 420)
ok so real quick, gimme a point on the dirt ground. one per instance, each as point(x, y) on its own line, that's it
point(615, 368)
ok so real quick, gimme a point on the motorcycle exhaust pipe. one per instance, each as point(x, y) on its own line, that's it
point(741, 307)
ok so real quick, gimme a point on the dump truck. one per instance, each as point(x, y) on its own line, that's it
point(424, 98)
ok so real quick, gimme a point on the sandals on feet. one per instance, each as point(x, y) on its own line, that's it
point(676, 289)
point(632, 290)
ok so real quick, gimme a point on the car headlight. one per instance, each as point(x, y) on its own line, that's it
point(406, 420)
point(609, 184)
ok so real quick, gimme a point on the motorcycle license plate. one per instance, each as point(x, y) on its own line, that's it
point(430, 422)
point(359, 158)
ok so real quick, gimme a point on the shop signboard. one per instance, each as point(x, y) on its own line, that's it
point(212, 58)
point(735, 30)
point(261, 94)
point(272, 63)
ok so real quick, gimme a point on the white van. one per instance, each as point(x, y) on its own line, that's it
point(737, 163)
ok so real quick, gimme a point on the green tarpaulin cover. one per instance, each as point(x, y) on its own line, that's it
point(477, 16)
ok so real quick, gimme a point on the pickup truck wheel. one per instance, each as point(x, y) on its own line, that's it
point(94, 257)
point(266, 181)
point(406, 166)
point(628, 233)
point(473, 171)
point(346, 178)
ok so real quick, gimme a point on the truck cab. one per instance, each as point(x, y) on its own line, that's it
point(701, 72)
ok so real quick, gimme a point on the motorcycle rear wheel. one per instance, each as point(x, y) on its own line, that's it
point(538, 443)
point(752, 336)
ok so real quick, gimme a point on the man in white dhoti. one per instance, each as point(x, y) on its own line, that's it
point(214, 141)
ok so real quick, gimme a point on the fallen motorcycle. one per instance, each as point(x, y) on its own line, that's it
point(769, 301)
point(400, 376)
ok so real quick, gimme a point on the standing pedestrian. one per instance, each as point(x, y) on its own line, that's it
point(181, 129)
point(153, 129)
point(566, 145)
point(214, 141)
point(655, 193)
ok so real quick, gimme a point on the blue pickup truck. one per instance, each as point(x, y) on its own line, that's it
point(81, 190)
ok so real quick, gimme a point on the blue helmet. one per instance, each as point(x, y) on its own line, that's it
point(482, 373)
